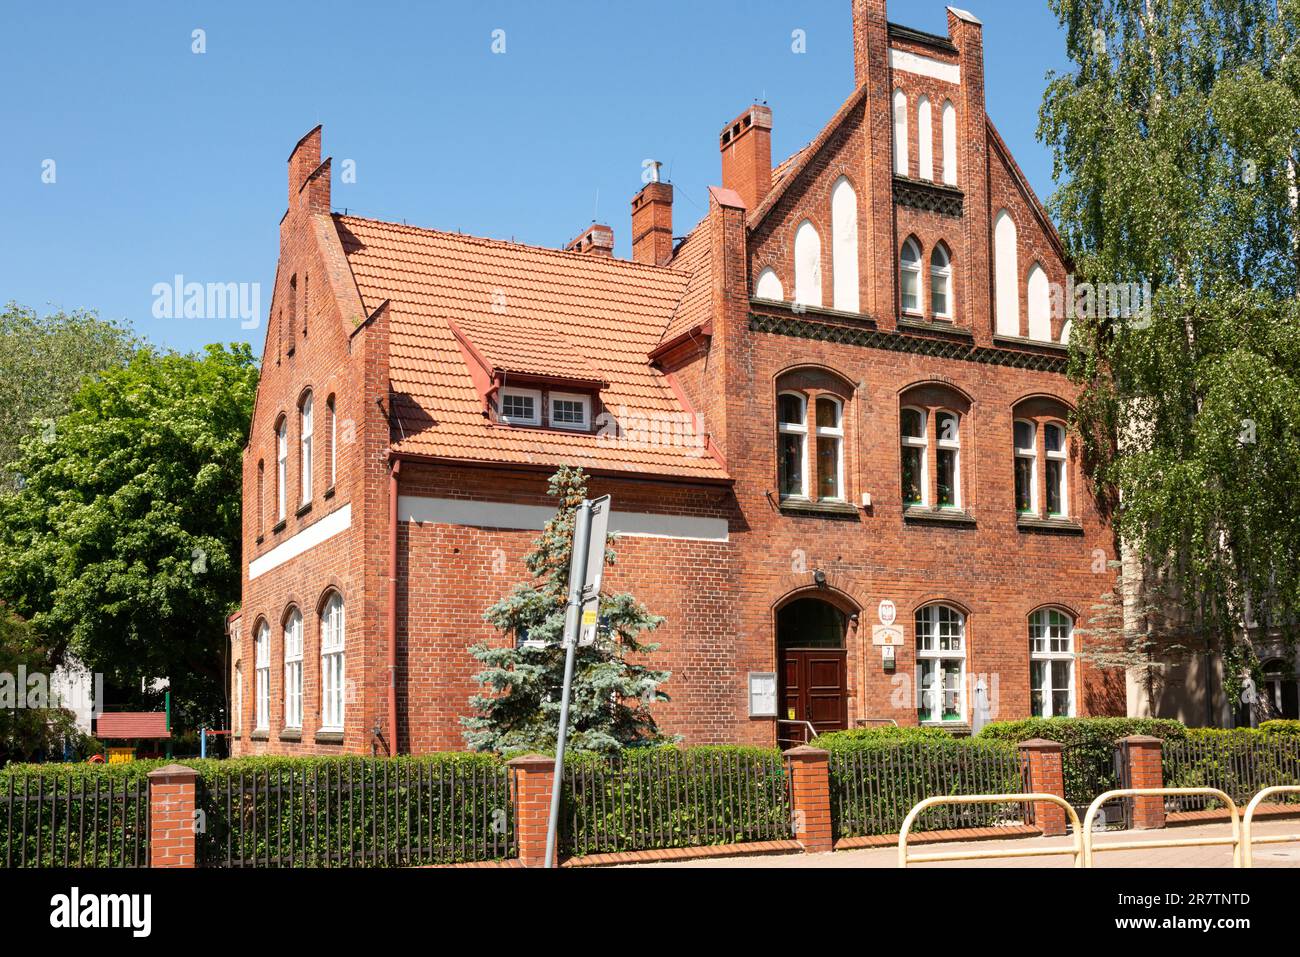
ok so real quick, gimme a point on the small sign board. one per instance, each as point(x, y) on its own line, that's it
point(886, 612)
point(762, 694)
point(886, 635)
point(589, 623)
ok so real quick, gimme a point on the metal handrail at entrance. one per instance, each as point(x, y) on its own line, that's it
point(812, 732)
point(1247, 842)
point(1075, 849)
point(1089, 847)
point(864, 722)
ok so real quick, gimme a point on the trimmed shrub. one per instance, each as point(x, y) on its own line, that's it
point(1288, 726)
point(1088, 731)
point(885, 734)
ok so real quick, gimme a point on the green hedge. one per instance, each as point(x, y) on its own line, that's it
point(877, 736)
point(1281, 726)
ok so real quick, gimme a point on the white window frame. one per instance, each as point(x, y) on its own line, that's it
point(237, 706)
point(293, 670)
point(921, 442)
point(837, 434)
point(585, 400)
point(1061, 456)
point(952, 445)
point(800, 429)
point(306, 426)
point(1030, 454)
point(934, 616)
point(262, 688)
point(943, 272)
point(914, 269)
point(1045, 647)
point(333, 640)
point(331, 406)
point(534, 394)
point(282, 469)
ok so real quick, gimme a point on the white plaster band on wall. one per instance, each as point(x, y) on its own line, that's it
point(336, 521)
point(925, 66)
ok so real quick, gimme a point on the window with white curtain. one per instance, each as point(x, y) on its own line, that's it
point(807, 265)
point(331, 664)
point(949, 143)
point(844, 245)
point(1026, 452)
point(306, 419)
point(900, 133)
point(830, 448)
point(1006, 275)
point(909, 277)
point(924, 139)
point(1051, 664)
point(293, 670)
point(940, 664)
point(792, 444)
point(262, 677)
point(941, 283)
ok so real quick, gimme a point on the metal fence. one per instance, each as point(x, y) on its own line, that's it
point(357, 813)
point(61, 820)
point(1239, 765)
point(872, 789)
point(1091, 768)
point(673, 798)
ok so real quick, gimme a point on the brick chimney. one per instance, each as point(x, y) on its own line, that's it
point(746, 144)
point(596, 240)
point(652, 224)
point(870, 37)
point(309, 178)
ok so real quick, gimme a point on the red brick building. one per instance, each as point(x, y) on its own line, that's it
point(845, 385)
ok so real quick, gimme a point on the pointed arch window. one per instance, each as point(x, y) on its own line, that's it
point(769, 286)
point(807, 265)
point(900, 133)
point(306, 427)
point(924, 139)
point(949, 143)
point(1006, 276)
point(844, 245)
point(909, 277)
point(281, 468)
point(941, 305)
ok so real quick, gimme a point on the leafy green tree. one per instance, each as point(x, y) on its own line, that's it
point(29, 733)
point(1175, 136)
point(43, 361)
point(611, 690)
point(123, 545)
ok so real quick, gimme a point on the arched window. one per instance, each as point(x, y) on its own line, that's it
point(949, 143)
point(1055, 451)
point(941, 283)
point(1026, 446)
point(332, 413)
point(1039, 299)
point(769, 286)
point(293, 669)
point(792, 444)
point(900, 133)
point(1007, 275)
point(281, 467)
point(807, 265)
point(305, 426)
point(947, 443)
point(909, 277)
point(331, 664)
point(912, 431)
point(1051, 664)
point(925, 139)
point(830, 448)
point(844, 245)
point(261, 497)
point(262, 676)
point(940, 664)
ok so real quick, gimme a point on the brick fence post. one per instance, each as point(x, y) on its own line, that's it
point(810, 797)
point(532, 778)
point(1046, 776)
point(1144, 771)
point(172, 800)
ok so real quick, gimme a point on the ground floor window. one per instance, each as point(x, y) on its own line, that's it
point(1051, 664)
point(940, 664)
point(331, 664)
point(262, 662)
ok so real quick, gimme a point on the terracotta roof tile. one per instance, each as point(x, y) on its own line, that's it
point(116, 725)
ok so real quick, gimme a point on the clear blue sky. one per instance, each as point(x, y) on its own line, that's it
point(171, 162)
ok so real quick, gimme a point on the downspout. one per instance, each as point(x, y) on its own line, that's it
point(392, 605)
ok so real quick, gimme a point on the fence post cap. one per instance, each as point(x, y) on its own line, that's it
point(804, 752)
point(1142, 739)
point(177, 771)
point(534, 762)
point(1040, 744)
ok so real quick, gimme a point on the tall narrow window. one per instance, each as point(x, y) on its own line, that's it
point(909, 277)
point(949, 143)
point(941, 283)
point(237, 704)
point(281, 468)
point(924, 139)
point(940, 664)
point(1026, 445)
point(792, 443)
point(332, 413)
point(844, 245)
point(807, 265)
point(1038, 296)
point(914, 450)
point(261, 498)
point(769, 286)
point(830, 448)
point(1051, 664)
point(1007, 276)
point(293, 310)
point(900, 133)
point(293, 670)
point(305, 428)
point(948, 459)
point(306, 302)
point(262, 677)
point(1054, 448)
point(331, 664)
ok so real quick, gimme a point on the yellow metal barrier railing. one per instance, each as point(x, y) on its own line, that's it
point(1089, 848)
point(1247, 841)
point(1075, 849)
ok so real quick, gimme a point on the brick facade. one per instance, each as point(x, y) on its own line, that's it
point(720, 594)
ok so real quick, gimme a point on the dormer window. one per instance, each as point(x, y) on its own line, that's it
point(570, 410)
point(521, 406)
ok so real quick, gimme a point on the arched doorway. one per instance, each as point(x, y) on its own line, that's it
point(812, 668)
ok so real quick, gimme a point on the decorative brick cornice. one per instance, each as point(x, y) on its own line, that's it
point(928, 197)
point(806, 328)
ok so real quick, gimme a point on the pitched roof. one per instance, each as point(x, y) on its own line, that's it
point(116, 725)
point(694, 257)
point(527, 310)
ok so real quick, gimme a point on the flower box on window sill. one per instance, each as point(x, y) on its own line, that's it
point(927, 514)
point(1028, 522)
point(291, 734)
point(259, 735)
point(329, 737)
point(806, 506)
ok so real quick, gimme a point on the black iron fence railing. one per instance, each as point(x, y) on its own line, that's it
point(1239, 765)
point(74, 820)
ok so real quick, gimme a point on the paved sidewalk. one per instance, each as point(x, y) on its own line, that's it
point(1266, 855)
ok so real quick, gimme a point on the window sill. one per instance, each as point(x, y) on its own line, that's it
point(329, 737)
point(925, 515)
point(259, 736)
point(291, 734)
point(278, 527)
point(804, 506)
point(1062, 526)
point(260, 539)
point(827, 312)
point(944, 327)
point(302, 510)
point(329, 493)
point(1003, 340)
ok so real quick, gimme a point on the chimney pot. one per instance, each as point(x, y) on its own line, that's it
point(596, 240)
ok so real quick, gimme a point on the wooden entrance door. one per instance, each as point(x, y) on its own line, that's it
point(813, 689)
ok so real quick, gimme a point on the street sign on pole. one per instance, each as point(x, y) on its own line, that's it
point(586, 568)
